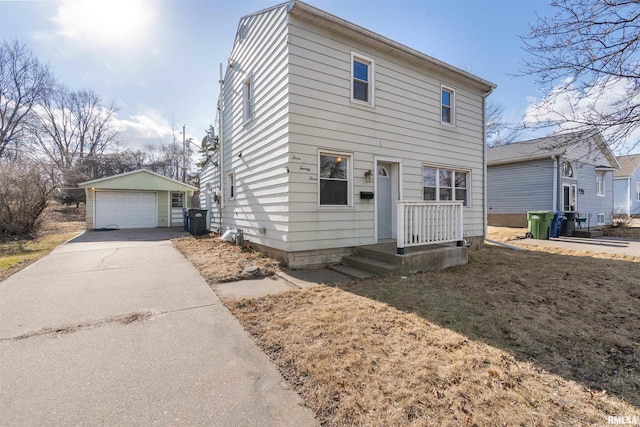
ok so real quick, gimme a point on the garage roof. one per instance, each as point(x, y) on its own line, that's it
point(140, 179)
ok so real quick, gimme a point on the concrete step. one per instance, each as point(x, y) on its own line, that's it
point(379, 268)
point(586, 233)
point(352, 272)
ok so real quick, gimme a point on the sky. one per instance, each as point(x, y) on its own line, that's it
point(158, 60)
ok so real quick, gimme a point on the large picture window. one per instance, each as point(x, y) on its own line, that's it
point(334, 179)
point(445, 184)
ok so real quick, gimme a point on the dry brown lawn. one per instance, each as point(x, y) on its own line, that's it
point(513, 338)
point(220, 261)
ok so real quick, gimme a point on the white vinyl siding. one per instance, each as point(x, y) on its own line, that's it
point(260, 175)
point(404, 125)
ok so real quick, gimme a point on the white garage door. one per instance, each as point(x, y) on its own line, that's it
point(125, 209)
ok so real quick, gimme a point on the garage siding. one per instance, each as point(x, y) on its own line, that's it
point(126, 209)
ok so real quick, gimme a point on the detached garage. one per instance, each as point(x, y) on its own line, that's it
point(138, 199)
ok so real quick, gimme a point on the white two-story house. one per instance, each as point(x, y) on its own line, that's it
point(334, 137)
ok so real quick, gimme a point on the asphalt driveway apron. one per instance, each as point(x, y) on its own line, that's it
point(118, 328)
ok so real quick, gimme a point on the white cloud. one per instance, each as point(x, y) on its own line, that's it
point(570, 107)
point(103, 23)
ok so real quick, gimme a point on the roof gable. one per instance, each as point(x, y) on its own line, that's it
point(140, 179)
point(629, 164)
point(554, 145)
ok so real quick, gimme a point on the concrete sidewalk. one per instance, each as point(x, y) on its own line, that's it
point(611, 245)
point(118, 328)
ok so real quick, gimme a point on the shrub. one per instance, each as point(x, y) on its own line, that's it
point(24, 193)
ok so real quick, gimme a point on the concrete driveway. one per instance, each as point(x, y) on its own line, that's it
point(118, 328)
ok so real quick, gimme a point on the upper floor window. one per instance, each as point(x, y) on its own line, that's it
point(447, 101)
point(445, 184)
point(600, 183)
point(334, 179)
point(247, 99)
point(362, 82)
point(567, 169)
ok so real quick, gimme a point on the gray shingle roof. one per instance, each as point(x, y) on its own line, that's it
point(629, 164)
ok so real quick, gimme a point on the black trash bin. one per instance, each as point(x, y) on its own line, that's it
point(568, 224)
point(198, 221)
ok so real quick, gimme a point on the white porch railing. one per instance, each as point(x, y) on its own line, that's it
point(425, 223)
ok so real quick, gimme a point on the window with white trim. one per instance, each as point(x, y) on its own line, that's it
point(231, 188)
point(448, 104)
point(600, 183)
point(567, 169)
point(600, 219)
point(247, 99)
point(362, 79)
point(334, 179)
point(176, 200)
point(445, 184)
point(638, 191)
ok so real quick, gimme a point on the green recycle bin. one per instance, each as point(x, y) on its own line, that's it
point(539, 224)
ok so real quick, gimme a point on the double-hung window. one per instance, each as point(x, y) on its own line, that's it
point(334, 179)
point(447, 101)
point(600, 183)
point(362, 79)
point(445, 184)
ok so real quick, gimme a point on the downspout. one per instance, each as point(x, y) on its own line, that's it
point(221, 149)
point(555, 182)
point(484, 161)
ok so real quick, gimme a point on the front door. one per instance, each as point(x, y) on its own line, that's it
point(569, 197)
point(385, 201)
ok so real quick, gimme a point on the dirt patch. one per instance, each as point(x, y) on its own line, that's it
point(220, 261)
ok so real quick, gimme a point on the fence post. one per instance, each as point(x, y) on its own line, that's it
point(400, 228)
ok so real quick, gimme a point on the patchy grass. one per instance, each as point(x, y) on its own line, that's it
point(61, 224)
point(220, 261)
point(513, 338)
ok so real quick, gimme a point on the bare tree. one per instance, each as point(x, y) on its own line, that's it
point(24, 83)
point(498, 131)
point(586, 59)
point(74, 128)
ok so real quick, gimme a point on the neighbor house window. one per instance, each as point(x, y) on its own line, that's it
point(600, 183)
point(637, 190)
point(176, 200)
point(601, 219)
point(247, 99)
point(445, 184)
point(567, 169)
point(361, 79)
point(334, 179)
point(447, 100)
point(231, 189)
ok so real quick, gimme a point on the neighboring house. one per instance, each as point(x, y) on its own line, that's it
point(333, 137)
point(570, 172)
point(626, 186)
point(137, 199)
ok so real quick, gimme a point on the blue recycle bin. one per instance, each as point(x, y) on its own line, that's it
point(556, 222)
point(185, 218)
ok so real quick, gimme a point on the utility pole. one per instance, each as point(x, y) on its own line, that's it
point(184, 155)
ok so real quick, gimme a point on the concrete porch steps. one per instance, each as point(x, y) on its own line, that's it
point(375, 266)
point(356, 273)
point(381, 259)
